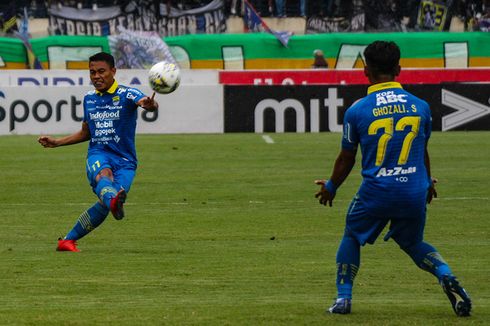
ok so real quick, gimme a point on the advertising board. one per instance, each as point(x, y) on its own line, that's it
point(58, 110)
point(314, 108)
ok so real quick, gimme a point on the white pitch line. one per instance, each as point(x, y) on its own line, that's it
point(462, 198)
point(268, 139)
point(252, 202)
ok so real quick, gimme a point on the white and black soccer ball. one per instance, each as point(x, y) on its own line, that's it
point(164, 77)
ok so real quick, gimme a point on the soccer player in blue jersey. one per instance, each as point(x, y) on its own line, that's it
point(109, 123)
point(392, 128)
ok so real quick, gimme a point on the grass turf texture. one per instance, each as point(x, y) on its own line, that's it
point(224, 230)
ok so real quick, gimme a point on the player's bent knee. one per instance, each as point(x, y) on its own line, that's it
point(407, 245)
point(107, 173)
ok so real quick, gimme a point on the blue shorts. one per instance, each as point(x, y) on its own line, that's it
point(123, 170)
point(366, 228)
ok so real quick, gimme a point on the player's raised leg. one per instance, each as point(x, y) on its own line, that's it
point(123, 178)
point(101, 177)
point(112, 197)
point(116, 205)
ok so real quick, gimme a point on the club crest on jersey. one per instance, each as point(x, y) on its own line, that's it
point(115, 100)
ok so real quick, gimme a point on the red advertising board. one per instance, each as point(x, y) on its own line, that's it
point(349, 77)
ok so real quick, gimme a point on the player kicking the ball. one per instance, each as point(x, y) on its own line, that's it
point(109, 122)
point(392, 128)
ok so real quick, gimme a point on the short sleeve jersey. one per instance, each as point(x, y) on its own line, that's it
point(111, 118)
point(392, 128)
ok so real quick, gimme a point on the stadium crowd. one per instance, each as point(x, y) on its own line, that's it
point(277, 8)
point(475, 14)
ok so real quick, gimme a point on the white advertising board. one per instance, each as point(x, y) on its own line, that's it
point(129, 77)
point(58, 110)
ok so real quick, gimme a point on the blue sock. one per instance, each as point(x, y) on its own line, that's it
point(105, 190)
point(88, 220)
point(348, 261)
point(429, 259)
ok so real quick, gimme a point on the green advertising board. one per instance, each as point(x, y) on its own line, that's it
point(264, 51)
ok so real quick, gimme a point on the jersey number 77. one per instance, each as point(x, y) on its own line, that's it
point(387, 125)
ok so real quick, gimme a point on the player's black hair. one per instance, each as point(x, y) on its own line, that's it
point(103, 56)
point(382, 57)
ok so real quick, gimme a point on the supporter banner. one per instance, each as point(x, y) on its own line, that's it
point(434, 14)
point(381, 16)
point(262, 51)
point(321, 24)
point(141, 16)
point(321, 108)
point(254, 23)
point(190, 109)
point(23, 34)
point(8, 18)
point(346, 16)
point(138, 50)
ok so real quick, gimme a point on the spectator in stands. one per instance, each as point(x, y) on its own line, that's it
point(38, 9)
point(484, 20)
point(88, 4)
point(474, 14)
point(271, 7)
point(260, 6)
point(267, 7)
point(281, 8)
point(235, 6)
point(319, 60)
point(302, 8)
point(328, 8)
point(410, 9)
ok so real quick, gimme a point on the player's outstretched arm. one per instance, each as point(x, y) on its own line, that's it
point(78, 137)
point(342, 167)
point(148, 103)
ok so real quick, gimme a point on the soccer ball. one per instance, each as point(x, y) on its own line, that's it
point(164, 77)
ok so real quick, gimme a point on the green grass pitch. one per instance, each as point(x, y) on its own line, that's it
point(224, 230)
